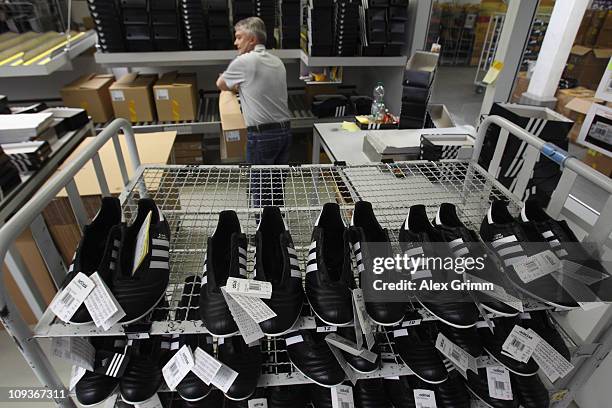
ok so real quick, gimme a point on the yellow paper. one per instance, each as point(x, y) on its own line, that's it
point(142, 243)
point(350, 126)
point(493, 72)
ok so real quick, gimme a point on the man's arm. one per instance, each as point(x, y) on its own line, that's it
point(233, 76)
point(222, 85)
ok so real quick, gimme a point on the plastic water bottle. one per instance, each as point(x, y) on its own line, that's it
point(377, 101)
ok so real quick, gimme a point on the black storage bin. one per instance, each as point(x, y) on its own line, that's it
point(164, 18)
point(135, 16)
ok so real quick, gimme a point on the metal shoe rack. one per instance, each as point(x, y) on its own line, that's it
point(192, 196)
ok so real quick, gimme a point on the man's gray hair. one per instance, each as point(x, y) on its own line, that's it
point(253, 26)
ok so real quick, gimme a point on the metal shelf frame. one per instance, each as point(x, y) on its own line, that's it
point(199, 58)
point(61, 61)
point(192, 196)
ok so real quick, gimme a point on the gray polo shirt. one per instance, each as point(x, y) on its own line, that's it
point(262, 81)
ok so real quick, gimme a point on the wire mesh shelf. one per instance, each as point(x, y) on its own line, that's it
point(192, 196)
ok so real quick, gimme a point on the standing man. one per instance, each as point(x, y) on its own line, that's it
point(261, 80)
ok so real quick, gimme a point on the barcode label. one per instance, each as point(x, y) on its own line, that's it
point(68, 299)
point(520, 344)
point(249, 287)
point(174, 369)
point(177, 368)
point(536, 266)
point(342, 397)
point(424, 398)
point(66, 302)
point(498, 379)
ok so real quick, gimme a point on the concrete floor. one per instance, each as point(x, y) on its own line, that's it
point(454, 87)
point(17, 374)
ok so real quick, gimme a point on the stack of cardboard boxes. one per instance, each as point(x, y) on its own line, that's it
point(136, 97)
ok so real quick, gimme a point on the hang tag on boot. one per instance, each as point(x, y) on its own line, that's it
point(342, 396)
point(249, 329)
point(177, 367)
point(66, 303)
point(102, 305)
point(366, 324)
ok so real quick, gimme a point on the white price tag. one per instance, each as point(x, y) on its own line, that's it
point(75, 376)
point(409, 323)
point(550, 361)
point(326, 329)
point(224, 378)
point(153, 402)
point(350, 347)
point(258, 403)
point(424, 398)
point(249, 287)
point(142, 243)
point(205, 366)
point(117, 96)
point(177, 368)
point(255, 307)
point(342, 396)
point(249, 329)
point(538, 265)
point(499, 383)
point(77, 350)
point(102, 305)
point(458, 356)
point(366, 324)
point(162, 94)
point(520, 344)
point(66, 302)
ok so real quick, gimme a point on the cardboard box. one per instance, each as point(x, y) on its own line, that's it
point(176, 97)
point(604, 37)
point(564, 96)
point(598, 161)
point(90, 92)
point(576, 110)
point(233, 129)
point(587, 65)
point(132, 97)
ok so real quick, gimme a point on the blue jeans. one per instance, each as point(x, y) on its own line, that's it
point(270, 147)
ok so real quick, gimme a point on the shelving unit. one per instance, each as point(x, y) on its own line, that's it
point(61, 59)
point(489, 48)
point(192, 196)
